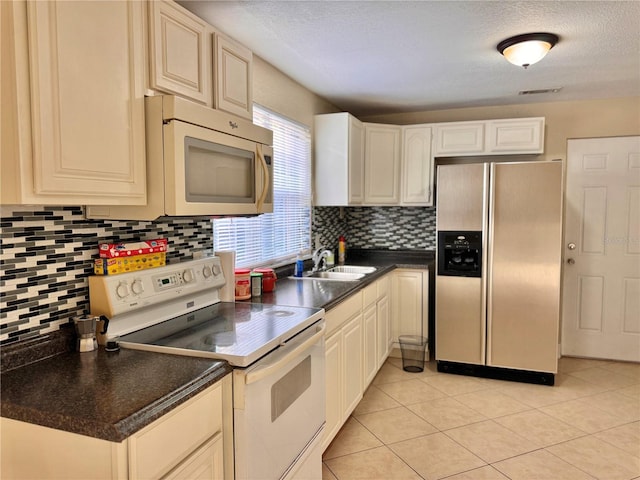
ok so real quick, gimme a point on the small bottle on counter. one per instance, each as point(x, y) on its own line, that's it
point(256, 284)
point(299, 268)
point(243, 283)
point(342, 250)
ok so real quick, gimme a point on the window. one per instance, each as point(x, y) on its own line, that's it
point(275, 238)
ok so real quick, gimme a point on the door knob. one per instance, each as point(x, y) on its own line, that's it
point(571, 246)
point(571, 261)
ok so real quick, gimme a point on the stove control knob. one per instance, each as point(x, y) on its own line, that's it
point(122, 290)
point(137, 287)
point(217, 270)
point(187, 276)
point(206, 271)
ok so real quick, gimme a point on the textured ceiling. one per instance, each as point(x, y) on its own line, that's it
point(371, 57)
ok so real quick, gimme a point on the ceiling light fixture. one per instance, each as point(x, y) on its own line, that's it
point(527, 49)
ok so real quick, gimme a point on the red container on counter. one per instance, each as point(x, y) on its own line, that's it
point(243, 283)
point(268, 279)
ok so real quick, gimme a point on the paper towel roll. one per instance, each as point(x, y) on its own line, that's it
point(228, 262)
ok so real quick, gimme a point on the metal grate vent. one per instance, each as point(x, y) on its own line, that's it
point(542, 90)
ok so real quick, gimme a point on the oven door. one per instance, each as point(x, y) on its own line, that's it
point(279, 409)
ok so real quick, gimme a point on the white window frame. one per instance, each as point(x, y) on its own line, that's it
point(257, 241)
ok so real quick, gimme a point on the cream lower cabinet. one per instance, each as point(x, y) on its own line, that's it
point(409, 299)
point(358, 342)
point(72, 95)
point(343, 364)
point(195, 440)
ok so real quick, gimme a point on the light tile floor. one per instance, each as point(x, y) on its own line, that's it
point(434, 425)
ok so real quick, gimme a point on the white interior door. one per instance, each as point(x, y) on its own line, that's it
point(601, 284)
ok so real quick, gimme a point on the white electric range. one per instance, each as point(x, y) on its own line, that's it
point(277, 353)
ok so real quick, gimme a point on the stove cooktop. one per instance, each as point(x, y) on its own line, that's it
point(239, 333)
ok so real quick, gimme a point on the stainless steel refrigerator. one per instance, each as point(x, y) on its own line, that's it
point(499, 228)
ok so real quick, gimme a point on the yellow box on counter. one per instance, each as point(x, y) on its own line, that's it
point(111, 266)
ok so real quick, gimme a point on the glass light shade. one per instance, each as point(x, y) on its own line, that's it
point(527, 53)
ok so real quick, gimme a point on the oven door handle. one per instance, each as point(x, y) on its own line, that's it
point(260, 373)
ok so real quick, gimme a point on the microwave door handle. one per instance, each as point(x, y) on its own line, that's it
point(266, 179)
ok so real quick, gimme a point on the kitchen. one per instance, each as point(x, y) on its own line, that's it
point(45, 237)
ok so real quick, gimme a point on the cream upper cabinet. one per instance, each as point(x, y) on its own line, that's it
point(73, 103)
point(338, 160)
point(382, 164)
point(517, 135)
point(180, 58)
point(460, 138)
point(233, 77)
point(509, 136)
point(417, 166)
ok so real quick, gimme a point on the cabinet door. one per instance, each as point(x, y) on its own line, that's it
point(204, 464)
point(233, 77)
point(524, 135)
point(382, 164)
point(179, 52)
point(409, 303)
point(460, 138)
point(352, 354)
point(383, 326)
point(87, 101)
point(417, 166)
point(370, 358)
point(356, 161)
point(333, 385)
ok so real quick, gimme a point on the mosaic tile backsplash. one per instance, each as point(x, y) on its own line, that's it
point(394, 228)
point(47, 253)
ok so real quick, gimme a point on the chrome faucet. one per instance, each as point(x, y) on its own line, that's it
point(319, 256)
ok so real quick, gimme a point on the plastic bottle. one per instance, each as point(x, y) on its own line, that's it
point(342, 250)
point(299, 268)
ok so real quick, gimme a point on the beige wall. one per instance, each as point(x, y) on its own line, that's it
point(276, 91)
point(564, 120)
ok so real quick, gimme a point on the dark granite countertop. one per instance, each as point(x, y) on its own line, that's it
point(113, 395)
point(106, 395)
point(328, 294)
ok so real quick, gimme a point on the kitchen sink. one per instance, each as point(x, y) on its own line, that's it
point(342, 273)
point(352, 269)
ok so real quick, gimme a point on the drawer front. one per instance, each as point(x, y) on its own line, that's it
point(384, 285)
point(369, 295)
point(343, 312)
point(162, 445)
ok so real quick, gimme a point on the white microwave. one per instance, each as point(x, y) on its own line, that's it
point(200, 162)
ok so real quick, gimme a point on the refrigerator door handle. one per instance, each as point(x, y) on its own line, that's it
point(487, 254)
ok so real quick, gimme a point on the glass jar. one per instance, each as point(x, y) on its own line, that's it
point(243, 283)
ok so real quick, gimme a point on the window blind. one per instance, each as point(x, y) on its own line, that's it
point(275, 238)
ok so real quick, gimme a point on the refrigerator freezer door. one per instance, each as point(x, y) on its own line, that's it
point(460, 331)
point(525, 242)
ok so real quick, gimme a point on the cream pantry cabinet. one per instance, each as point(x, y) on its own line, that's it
point(195, 440)
point(491, 137)
point(417, 166)
point(409, 300)
point(339, 160)
point(73, 103)
point(180, 52)
point(382, 150)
